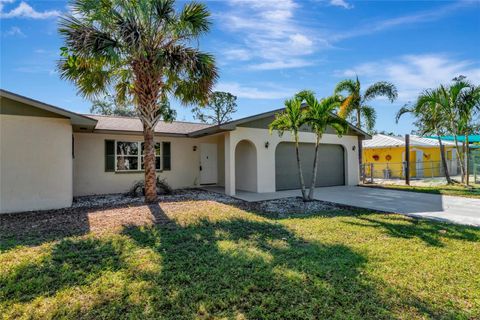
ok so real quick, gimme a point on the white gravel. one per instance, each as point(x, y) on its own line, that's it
point(282, 207)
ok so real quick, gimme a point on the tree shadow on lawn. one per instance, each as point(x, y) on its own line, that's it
point(235, 267)
point(257, 270)
point(430, 232)
point(72, 262)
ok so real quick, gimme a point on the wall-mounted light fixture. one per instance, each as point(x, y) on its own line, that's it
point(354, 147)
point(267, 144)
point(194, 148)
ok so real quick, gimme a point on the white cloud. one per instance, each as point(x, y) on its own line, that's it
point(14, 31)
point(341, 3)
point(414, 73)
point(380, 25)
point(250, 92)
point(237, 54)
point(293, 63)
point(24, 10)
point(269, 33)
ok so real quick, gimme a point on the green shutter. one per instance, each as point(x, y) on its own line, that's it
point(109, 155)
point(166, 157)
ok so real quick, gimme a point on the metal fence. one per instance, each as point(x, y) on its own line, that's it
point(397, 170)
point(420, 170)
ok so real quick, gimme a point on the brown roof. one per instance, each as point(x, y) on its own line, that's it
point(116, 123)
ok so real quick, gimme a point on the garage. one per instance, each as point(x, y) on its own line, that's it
point(331, 165)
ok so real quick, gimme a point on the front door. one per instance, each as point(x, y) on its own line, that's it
point(208, 163)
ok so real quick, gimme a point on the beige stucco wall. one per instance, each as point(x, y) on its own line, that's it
point(246, 166)
point(89, 163)
point(266, 156)
point(35, 163)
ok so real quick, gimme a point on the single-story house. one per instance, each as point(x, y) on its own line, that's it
point(50, 155)
point(387, 155)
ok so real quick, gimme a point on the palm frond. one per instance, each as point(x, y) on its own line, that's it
point(194, 19)
point(382, 88)
point(369, 115)
point(403, 110)
point(346, 85)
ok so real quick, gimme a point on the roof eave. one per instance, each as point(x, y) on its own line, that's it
point(75, 118)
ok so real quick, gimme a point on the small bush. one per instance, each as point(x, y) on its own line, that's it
point(138, 188)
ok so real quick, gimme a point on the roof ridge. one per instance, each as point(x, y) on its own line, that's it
point(137, 118)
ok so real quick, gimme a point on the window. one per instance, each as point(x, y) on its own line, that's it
point(129, 156)
point(449, 155)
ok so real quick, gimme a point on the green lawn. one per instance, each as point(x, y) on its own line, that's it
point(207, 260)
point(452, 190)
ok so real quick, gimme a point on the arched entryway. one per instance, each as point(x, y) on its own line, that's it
point(246, 166)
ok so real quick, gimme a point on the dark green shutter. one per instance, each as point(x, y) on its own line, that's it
point(166, 155)
point(109, 155)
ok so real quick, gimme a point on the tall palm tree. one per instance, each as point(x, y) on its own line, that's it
point(291, 119)
point(142, 50)
point(430, 119)
point(355, 105)
point(318, 117)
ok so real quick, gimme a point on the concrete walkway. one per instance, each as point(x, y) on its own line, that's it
point(439, 207)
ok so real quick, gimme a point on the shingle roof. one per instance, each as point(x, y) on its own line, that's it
point(116, 123)
point(381, 140)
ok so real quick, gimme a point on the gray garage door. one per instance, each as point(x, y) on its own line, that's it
point(331, 165)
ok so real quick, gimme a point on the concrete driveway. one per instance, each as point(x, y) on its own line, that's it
point(445, 208)
point(433, 206)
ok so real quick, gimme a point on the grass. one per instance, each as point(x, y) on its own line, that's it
point(451, 190)
point(207, 260)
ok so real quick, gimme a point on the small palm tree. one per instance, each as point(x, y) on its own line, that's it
point(430, 119)
point(318, 117)
point(354, 103)
point(142, 51)
point(291, 119)
point(460, 102)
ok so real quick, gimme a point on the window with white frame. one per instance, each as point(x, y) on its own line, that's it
point(129, 156)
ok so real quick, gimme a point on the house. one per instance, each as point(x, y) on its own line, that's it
point(386, 154)
point(50, 155)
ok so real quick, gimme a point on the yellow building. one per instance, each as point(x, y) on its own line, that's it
point(385, 155)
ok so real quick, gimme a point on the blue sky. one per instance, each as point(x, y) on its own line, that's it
point(268, 50)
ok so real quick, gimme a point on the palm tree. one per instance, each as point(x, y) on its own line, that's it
point(460, 102)
point(141, 50)
point(355, 104)
point(291, 119)
point(318, 117)
point(430, 119)
point(469, 112)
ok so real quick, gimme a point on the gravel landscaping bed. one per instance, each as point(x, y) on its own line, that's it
point(103, 213)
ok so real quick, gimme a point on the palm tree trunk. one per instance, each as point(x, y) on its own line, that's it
point(460, 156)
point(314, 171)
point(359, 120)
point(149, 162)
point(360, 146)
point(444, 161)
point(300, 173)
point(467, 176)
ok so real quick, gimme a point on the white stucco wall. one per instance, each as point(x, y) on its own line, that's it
point(266, 156)
point(35, 163)
point(89, 164)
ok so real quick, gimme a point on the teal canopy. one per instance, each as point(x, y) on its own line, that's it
point(471, 138)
